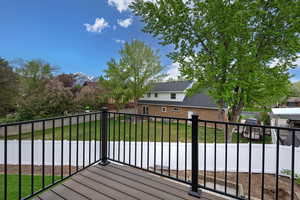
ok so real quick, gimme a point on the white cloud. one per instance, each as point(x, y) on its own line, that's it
point(121, 5)
point(125, 22)
point(99, 25)
point(173, 71)
point(119, 41)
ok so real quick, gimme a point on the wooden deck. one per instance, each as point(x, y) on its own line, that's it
point(119, 182)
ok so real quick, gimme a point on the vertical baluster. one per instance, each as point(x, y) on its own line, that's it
point(83, 143)
point(53, 150)
point(20, 161)
point(162, 146)
point(142, 138)
point(204, 157)
point(90, 135)
point(124, 138)
point(119, 135)
point(293, 166)
point(32, 157)
point(114, 142)
point(250, 161)
point(154, 144)
point(215, 154)
point(169, 170)
point(95, 137)
point(62, 149)
point(277, 162)
point(70, 143)
point(263, 165)
point(226, 152)
point(237, 161)
point(135, 139)
point(185, 160)
point(177, 147)
point(129, 151)
point(77, 142)
point(109, 132)
point(43, 155)
point(148, 141)
point(5, 163)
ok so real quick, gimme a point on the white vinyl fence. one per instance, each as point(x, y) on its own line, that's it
point(256, 166)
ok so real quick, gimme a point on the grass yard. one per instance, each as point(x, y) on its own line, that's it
point(13, 185)
point(120, 129)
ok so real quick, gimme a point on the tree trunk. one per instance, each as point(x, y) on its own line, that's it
point(233, 116)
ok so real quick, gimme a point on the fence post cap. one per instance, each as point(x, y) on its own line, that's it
point(195, 116)
point(104, 109)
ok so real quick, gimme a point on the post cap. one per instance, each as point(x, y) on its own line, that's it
point(104, 109)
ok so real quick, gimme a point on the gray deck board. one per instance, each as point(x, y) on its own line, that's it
point(119, 182)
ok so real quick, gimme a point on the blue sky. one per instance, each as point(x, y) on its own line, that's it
point(77, 36)
point(57, 32)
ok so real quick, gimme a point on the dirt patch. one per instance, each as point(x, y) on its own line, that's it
point(284, 183)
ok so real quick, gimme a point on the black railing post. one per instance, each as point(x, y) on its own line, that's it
point(194, 189)
point(104, 140)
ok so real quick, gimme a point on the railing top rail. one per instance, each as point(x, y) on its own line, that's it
point(153, 116)
point(47, 119)
point(250, 125)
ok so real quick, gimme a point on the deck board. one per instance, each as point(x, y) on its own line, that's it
point(119, 182)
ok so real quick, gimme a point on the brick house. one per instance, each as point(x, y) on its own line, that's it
point(169, 99)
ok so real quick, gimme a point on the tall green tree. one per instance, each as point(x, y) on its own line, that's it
point(8, 87)
point(34, 76)
point(138, 68)
point(115, 82)
point(240, 50)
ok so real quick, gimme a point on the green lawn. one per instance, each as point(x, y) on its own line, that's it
point(132, 131)
point(13, 185)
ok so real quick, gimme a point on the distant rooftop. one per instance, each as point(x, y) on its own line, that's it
point(293, 99)
point(171, 86)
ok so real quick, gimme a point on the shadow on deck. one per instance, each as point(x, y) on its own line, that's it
point(119, 182)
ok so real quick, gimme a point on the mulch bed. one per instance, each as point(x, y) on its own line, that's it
point(284, 183)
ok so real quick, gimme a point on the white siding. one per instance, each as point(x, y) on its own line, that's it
point(164, 96)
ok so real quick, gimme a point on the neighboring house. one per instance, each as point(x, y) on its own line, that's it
point(292, 102)
point(169, 99)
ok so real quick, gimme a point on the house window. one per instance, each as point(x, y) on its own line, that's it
point(173, 95)
point(176, 109)
point(156, 95)
point(163, 109)
point(148, 94)
point(145, 110)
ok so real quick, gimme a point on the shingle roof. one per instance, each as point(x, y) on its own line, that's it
point(293, 99)
point(197, 100)
point(171, 86)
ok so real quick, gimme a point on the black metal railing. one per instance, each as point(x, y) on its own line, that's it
point(193, 151)
point(147, 142)
point(48, 152)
